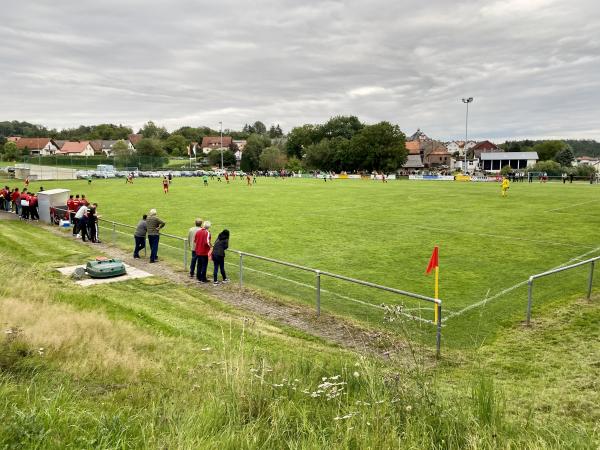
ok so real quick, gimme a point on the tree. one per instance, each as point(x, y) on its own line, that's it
point(272, 158)
point(505, 170)
point(10, 151)
point(214, 158)
point(301, 137)
point(121, 149)
point(565, 157)
point(176, 145)
point(275, 132)
point(150, 147)
point(379, 147)
point(151, 130)
point(341, 126)
point(255, 144)
point(294, 164)
point(552, 168)
point(547, 150)
point(259, 127)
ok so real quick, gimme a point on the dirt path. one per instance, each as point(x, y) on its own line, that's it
point(335, 329)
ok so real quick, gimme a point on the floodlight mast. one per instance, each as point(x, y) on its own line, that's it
point(466, 101)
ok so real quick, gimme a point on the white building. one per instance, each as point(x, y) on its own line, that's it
point(459, 146)
point(494, 162)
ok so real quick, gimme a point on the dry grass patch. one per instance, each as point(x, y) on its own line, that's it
point(81, 342)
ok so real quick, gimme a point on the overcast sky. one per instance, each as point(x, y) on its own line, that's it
point(532, 66)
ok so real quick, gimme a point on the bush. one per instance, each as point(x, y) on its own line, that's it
point(552, 168)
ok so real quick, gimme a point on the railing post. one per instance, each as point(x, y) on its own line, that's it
point(114, 233)
point(438, 335)
point(241, 270)
point(529, 299)
point(185, 253)
point(589, 295)
point(318, 288)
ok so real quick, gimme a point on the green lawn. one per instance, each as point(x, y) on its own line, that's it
point(384, 233)
point(150, 364)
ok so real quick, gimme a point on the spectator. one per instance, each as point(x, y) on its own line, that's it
point(154, 225)
point(80, 222)
point(218, 256)
point(92, 220)
point(202, 242)
point(191, 242)
point(24, 201)
point(33, 207)
point(140, 236)
point(15, 198)
point(71, 209)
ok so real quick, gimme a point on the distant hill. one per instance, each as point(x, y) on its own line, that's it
point(580, 147)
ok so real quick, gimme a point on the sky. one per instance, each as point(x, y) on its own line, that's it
point(532, 66)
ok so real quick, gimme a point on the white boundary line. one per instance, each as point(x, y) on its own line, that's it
point(444, 230)
point(572, 206)
point(512, 288)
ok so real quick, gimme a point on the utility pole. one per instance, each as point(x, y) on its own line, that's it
point(221, 123)
point(467, 101)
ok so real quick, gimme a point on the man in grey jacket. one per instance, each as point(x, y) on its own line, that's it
point(140, 236)
point(153, 226)
point(192, 244)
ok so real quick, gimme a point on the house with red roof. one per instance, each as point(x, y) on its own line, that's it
point(484, 147)
point(37, 146)
point(77, 148)
point(210, 143)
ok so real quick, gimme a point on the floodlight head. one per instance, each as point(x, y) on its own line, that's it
point(467, 100)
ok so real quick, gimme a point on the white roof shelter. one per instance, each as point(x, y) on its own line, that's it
point(495, 161)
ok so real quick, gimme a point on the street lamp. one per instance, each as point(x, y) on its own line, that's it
point(467, 101)
point(221, 123)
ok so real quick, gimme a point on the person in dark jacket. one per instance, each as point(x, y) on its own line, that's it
point(218, 256)
point(140, 236)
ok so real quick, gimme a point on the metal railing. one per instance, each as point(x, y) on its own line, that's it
point(113, 228)
point(319, 273)
point(591, 262)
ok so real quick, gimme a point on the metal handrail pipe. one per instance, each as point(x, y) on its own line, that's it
point(283, 263)
point(561, 269)
point(383, 288)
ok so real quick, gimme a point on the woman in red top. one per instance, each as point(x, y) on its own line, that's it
point(203, 247)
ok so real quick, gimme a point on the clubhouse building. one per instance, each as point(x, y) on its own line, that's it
point(495, 161)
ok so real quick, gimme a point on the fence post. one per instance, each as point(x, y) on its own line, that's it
point(529, 299)
point(318, 287)
point(241, 270)
point(185, 253)
point(113, 233)
point(589, 295)
point(438, 335)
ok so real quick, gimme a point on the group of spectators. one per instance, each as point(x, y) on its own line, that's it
point(23, 203)
point(84, 218)
point(200, 241)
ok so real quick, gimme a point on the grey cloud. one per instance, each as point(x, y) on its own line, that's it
point(530, 64)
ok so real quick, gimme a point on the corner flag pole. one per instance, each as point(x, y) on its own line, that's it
point(434, 264)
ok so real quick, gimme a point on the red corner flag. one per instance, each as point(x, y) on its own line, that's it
point(433, 261)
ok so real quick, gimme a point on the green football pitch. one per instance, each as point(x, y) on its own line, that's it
point(385, 233)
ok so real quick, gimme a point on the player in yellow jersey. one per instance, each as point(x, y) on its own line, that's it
point(505, 186)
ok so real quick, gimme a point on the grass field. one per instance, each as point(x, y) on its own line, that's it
point(384, 233)
point(151, 364)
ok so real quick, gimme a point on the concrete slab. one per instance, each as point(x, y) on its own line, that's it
point(132, 273)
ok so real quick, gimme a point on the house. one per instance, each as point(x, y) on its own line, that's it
point(37, 146)
point(495, 161)
point(210, 143)
point(77, 148)
point(413, 147)
point(459, 146)
point(13, 138)
point(240, 144)
point(413, 162)
point(434, 154)
point(418, 136)
point(106, 146)
point(483, 147)
point(587, 161)
point(135, 138)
